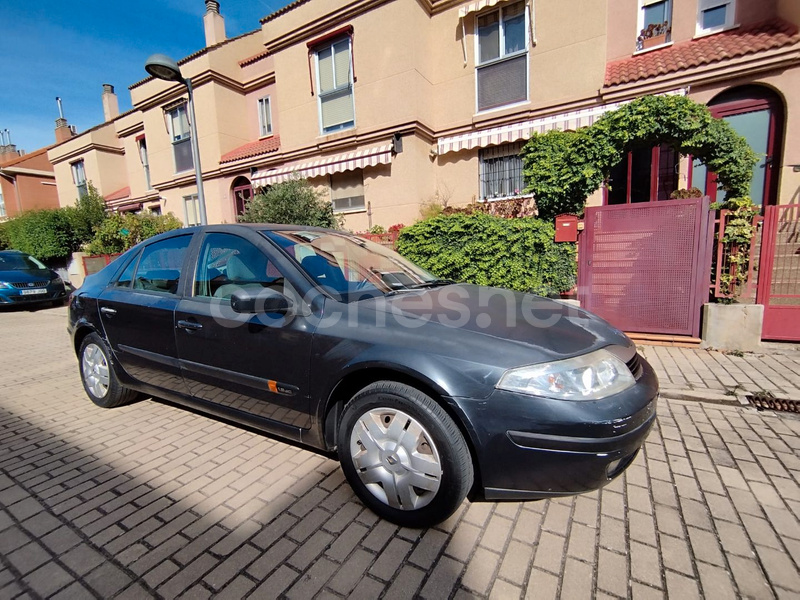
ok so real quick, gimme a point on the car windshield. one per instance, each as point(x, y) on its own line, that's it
point(19, 262)
point(351, 268)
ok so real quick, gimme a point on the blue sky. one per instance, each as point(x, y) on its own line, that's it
point(70, 48)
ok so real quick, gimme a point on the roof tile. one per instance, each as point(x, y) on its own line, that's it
point(251, 149)
point(734, 43)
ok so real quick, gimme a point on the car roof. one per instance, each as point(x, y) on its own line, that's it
point(239, 226)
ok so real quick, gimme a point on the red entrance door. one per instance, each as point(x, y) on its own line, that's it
point(779, 273)
point(756, 113)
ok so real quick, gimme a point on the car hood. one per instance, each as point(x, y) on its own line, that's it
point(26, 276)
point(503, 327)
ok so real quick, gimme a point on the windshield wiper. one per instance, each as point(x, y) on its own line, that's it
point(430, 284)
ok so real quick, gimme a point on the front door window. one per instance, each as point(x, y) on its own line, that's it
point(644, 175)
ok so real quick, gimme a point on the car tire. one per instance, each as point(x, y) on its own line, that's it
point(98, 377)
point(403, 455)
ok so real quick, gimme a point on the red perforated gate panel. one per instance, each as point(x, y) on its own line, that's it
point(779, 278)
point(644, 267)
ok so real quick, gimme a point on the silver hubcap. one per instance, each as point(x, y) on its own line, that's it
point(95, 370)
point(396, 458)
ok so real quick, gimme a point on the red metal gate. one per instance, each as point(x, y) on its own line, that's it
point(779, 273)
point(644, 267)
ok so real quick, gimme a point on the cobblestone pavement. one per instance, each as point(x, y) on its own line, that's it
point(716, 373)
point(152, 501)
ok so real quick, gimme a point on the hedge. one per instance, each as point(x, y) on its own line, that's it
point(518, 254)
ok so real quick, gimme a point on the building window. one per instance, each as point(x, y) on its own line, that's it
point(145, 163)
point(644, 175)
point(181, 137)
point(242, 194)
point(347, 191)
point(264, 117)
point(501, 171)
point(191, 210)
point(79, 178)
point(655, 23)
point(502, 57)
point(335, 86)
point(2, 203)
point(715, 15)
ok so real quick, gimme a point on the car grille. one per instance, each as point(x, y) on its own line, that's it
point(27, 284)
point(635, 366)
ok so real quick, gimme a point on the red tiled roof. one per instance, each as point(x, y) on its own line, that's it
point(255, 58)
point(270, 144)
point(734, 43)
point(119, 194)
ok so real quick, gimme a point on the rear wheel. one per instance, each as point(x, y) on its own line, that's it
point(98, 377)
point(403, 455)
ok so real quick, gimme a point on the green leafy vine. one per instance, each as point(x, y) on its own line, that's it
point(562, 168)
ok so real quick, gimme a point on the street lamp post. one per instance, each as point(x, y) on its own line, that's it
point(163, 67)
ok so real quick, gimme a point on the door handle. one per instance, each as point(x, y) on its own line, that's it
point(106, 310)
point(189, 325)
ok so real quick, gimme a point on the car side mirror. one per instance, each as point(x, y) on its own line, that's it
point(248, 301)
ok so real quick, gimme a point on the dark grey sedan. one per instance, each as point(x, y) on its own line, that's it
point(428, 390)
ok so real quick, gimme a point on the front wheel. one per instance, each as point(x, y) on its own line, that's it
point(403, 455)
point(98, 377)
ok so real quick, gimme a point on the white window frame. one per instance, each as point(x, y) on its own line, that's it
point(141, 145)
point(642, 5)
point(264, 117)
point(503, 57)
point(338, 89)
point(78, 169)
point(2, 203)
point(195, 208)
point(730, 15)
point(363, 195)
point(183, 137)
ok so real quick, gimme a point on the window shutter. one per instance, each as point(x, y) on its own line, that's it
point(342, 63)
point(503, 83)
point(325, 59)
point(347, 190)
point(337, 109)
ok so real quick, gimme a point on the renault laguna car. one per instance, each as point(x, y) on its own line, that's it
point(26, 281)
point(428, 391)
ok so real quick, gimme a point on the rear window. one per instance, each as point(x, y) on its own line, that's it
point(19, 262)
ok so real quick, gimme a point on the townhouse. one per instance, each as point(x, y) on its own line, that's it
point(385, 105)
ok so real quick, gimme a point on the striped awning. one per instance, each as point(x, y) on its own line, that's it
point(476, 6)
point(379, 155)
point(522, 131)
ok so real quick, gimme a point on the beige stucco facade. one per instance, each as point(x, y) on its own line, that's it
point(414, 87)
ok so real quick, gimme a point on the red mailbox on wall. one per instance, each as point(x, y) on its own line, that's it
point(566, 228)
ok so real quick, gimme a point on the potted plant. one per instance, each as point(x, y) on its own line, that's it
point(653, 35)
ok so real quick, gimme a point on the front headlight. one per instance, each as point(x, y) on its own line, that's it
point(56, 281)
point(589, 377)
point(5, 286)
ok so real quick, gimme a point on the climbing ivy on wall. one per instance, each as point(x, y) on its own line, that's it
point(562, 168)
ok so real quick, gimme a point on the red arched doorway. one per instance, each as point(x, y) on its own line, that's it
point(757, 113)
point(242, 193)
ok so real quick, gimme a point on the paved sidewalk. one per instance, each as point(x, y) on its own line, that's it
point(708, 374)
point(152, 501)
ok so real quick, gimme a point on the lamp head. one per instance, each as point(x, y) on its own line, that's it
point(163, 67)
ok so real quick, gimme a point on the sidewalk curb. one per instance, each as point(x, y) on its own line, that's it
point(707, 397)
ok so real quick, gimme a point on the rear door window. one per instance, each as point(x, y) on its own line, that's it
point(159, 269)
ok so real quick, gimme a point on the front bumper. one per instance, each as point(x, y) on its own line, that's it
point(15, 297)
point(528, 447)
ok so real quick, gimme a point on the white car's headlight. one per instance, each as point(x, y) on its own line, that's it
point(589, 377)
